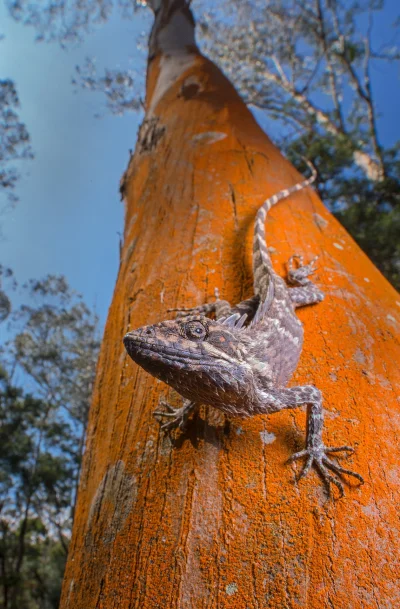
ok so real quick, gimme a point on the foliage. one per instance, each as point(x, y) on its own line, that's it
point(52, 353)
point(14, 139)
point(67, 21)
point(369, 210)
point(119, 86)
point(6, 275)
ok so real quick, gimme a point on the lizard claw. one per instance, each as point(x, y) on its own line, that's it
point(221, 308)
point(302, 271)
point(165, 405)
point(179, 416)
point(187, 312)
point(317, 457)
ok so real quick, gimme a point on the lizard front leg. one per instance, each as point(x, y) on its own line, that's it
point(221, 308)
point(315, 452)
point(178, 416)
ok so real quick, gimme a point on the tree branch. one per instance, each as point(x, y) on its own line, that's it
point(319, 115)
point(369, 100)
point(331, 73)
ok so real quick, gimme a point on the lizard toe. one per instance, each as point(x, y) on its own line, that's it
point(317, 457)
point(178, 416)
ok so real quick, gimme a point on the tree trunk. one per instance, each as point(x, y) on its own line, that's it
point(213, 518)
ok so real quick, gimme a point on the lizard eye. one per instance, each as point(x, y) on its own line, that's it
point(195, 330)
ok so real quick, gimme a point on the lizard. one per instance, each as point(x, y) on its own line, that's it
point(242, 360)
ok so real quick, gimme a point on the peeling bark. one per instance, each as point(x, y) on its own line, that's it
point(213, 518)
point(150, 133)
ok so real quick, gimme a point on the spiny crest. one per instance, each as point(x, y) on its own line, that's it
point(235, 321)
point(264, 306)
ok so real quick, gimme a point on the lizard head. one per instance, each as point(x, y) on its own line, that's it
point(197, 356)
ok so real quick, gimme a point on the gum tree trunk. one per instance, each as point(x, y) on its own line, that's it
point(213, 518)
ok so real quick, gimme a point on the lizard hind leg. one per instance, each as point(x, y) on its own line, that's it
point(300, 272)
point(306, 293)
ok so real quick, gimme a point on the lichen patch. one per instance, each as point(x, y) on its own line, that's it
point(267, 438)
point(231, 589)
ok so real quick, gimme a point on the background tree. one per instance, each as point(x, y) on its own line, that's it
point(67, 22)
point(14, 139)
point(47, 370)
point(7, 283)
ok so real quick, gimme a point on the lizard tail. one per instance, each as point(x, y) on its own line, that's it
point(262, 265)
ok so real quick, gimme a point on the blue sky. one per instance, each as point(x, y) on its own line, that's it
point(69, 215)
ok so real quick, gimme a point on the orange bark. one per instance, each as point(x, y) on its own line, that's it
point(214, 519)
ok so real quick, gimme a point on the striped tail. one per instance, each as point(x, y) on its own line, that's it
point(262, 266)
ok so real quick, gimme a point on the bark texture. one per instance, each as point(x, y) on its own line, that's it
point(213, 518)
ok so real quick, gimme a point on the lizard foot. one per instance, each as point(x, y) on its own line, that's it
point(178, 416)
point(219, 307)
point(317, 456)
point(200, 310)
point(300, 273)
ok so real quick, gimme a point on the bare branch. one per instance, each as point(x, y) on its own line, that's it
point(365, 93)
point(331, 72)
point(279, 69)
point(312, 75)
point(369, 101)
point(312, 110)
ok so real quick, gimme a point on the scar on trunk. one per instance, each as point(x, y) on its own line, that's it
point(112, 503)
point(150, 133)
point(190, 88)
